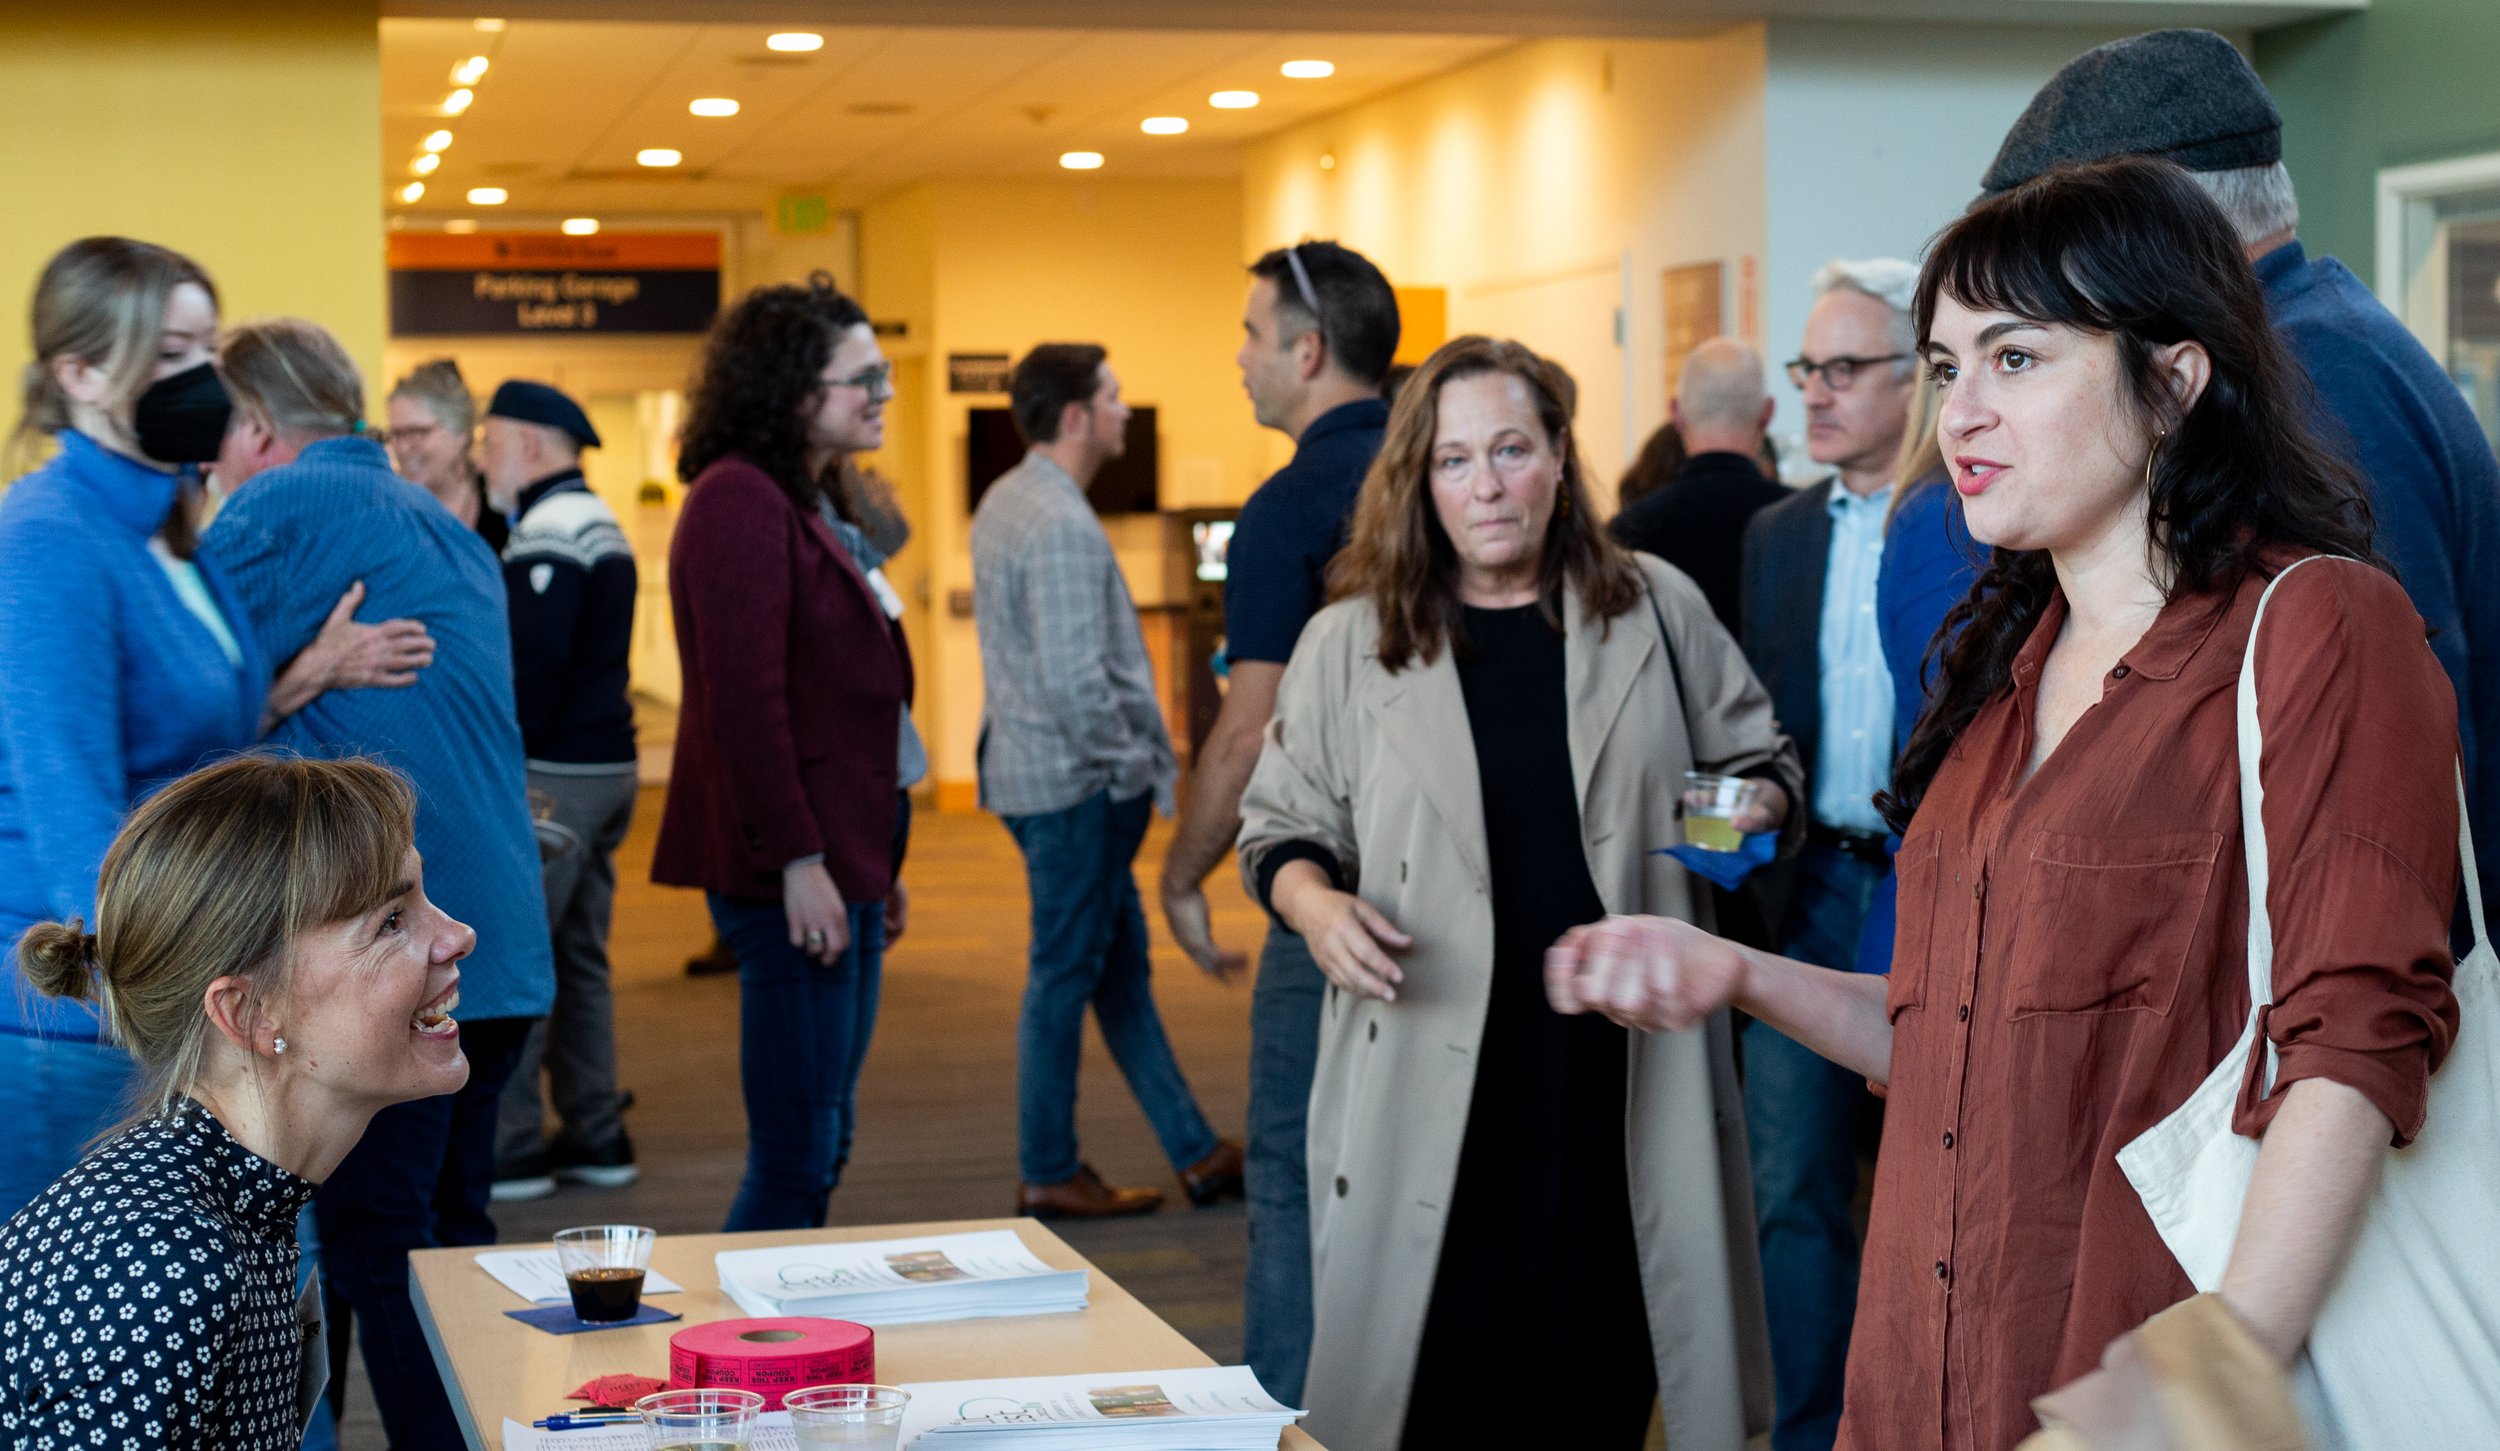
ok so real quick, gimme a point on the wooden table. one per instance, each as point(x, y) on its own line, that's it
point(496, 1366)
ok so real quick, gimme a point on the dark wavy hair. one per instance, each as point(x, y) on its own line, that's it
point(761, 377)
point(2134, 250)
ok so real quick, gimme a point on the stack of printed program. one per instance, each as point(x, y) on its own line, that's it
point(900, 1281)
point(1138, 1410)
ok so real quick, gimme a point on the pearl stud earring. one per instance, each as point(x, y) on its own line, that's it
point(278, 1046)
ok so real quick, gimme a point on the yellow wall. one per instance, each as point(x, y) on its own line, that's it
point(1546, 186)
point(248, 135)
point(1152, 271)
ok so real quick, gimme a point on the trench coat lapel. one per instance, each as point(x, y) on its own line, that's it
point(1600, 667)
point(1422, 718)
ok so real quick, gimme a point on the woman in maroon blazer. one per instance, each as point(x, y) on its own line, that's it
point(783, 803)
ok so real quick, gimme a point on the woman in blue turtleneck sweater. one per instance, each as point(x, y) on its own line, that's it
point(123, 662)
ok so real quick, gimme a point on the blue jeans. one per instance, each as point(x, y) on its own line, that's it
point(1805, 1117)
point(418, 1179)
point(55, 1095)
point(803, 1030)
point(1089, 946)
point(1285, 1008)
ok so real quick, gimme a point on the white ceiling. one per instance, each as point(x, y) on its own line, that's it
point(565, 105)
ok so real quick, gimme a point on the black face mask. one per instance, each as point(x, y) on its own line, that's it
point(182, 417)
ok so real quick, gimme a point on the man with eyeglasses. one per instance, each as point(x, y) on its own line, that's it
point(1319, 330)
point(569, 585)
point(1810, 631)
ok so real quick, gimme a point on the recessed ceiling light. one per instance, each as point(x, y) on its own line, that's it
point(458, 101)
point(461, 226)
point(581, 226)
point(413, 191)
point(425, 164)
point(489, 26)
point(1164, 125)
point(436, 142)
point(1310, 70)
point(1233, 100)
point(1081, 160)
point(658, 156)
point(469, 71)
point(713, 106)
point(1328, 161)
point(794, 40)
point(488, 196)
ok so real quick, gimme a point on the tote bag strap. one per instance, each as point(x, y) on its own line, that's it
point(2253, 829)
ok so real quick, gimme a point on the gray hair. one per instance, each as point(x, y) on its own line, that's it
point(438, 385)
point(294, 376)
point(1888, 280)
point(2259, 200)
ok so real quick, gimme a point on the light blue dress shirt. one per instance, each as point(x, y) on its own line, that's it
point(1853, 759)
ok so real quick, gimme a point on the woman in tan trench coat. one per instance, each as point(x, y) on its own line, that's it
point(1498, 1198)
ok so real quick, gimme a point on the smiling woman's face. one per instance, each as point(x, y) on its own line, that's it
point(369, 1000)
point(1495, 475)
point(2039, 429)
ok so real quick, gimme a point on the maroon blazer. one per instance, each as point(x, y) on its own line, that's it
point(795, 683)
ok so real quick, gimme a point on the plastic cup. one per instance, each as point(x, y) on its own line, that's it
point(1711, 806)
point(703, 1420)
point(603, 1266)
point(856, 1417)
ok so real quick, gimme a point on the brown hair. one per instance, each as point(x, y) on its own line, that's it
point(438, 385)
point(102, 300)
point(1402, 560)
point(213, 877)
point(293, 376)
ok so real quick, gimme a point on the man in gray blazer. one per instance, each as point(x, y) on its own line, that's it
point(1074, 758)
point(1809, 630)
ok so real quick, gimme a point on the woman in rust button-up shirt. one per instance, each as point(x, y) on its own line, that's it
point(2070, 964)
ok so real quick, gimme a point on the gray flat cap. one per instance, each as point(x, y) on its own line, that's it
point(2187, 96)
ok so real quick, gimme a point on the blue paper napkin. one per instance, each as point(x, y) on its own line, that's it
point(560, 1319)
point(1728, 868)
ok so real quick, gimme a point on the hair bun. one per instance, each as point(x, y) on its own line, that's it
point(60, 959)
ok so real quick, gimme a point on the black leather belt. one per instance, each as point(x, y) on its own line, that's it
point(1866, 846)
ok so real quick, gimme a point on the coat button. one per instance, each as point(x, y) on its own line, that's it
point(1375, 1032)
point(1341, 1186)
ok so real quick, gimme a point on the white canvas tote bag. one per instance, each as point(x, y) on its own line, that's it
point(2406, 1353)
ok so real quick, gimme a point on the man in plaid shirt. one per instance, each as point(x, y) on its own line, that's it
point(1074, 759)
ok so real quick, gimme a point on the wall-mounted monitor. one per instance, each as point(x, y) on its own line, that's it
point(1128, 484)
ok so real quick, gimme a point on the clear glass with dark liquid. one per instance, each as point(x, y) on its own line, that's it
point(605, 1292)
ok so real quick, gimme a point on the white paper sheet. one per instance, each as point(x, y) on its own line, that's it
point(536, 1276)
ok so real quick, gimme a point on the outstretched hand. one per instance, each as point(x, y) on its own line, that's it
point(1650, 973)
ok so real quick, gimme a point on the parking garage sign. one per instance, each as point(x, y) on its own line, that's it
point(545, 283)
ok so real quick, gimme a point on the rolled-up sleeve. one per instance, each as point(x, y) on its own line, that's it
point(2360, 731)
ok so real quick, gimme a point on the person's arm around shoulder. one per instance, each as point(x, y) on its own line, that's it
point(2361, 835)
point(313, 634)
point(1298, 844)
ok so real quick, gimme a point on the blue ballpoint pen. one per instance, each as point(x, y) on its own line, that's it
point(578, 1420)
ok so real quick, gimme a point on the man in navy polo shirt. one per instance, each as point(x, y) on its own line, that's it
point(1319, 331)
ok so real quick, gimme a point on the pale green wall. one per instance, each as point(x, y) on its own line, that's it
point(2404, 81)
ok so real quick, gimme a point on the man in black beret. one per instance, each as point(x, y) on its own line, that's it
point(569, 582)
point(2190, 97)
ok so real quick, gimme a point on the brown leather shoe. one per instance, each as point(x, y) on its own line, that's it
point(1215, 1178)
point(1084, 1197)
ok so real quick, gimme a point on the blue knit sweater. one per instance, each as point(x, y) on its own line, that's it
point(109, 688)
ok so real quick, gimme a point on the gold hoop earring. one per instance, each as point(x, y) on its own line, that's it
point(2153, 457)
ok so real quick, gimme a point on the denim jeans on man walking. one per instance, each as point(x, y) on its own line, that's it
point(803, 1031)
point(1285, 1005)
point(1089, 946)
point(1805, 1118)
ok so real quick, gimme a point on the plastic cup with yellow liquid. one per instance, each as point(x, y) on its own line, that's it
point(1712, 804)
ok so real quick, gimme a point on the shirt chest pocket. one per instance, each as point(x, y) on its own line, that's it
point(2105, 922)
point(1918, 879)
